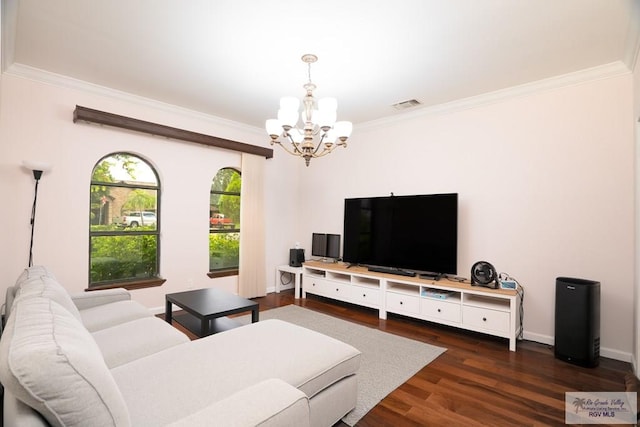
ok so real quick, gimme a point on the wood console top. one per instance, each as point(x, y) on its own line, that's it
point(363, 271)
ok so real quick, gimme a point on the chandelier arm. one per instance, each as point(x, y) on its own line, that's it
point(294, 152)
point(320, 145)
point(295, 145)
point(322, 153)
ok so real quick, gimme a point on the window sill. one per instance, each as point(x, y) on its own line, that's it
point(130, 285)
point(223, 273)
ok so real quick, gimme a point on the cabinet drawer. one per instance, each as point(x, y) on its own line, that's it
point(403, 303)
point(441, 310)
point(327, 288)
point(482, 318)
point(365, 296)
point(316, 285)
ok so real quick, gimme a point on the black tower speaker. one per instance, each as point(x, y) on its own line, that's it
point(577, 329)
point(296, 257)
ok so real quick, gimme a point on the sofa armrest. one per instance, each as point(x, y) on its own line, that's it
point(86, 300)
point(269, 403)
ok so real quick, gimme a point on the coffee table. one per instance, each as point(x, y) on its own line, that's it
point(206, 310)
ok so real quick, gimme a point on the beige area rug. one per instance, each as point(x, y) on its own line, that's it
point(387, 360)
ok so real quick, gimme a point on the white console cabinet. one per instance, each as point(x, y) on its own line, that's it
point(490, 311)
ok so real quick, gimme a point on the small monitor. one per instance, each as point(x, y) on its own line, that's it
point(319, 245)
point(333, 246)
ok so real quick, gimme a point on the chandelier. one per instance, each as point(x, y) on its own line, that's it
point(320, 134)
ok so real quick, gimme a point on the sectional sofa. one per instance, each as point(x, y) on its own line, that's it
point(102, 359)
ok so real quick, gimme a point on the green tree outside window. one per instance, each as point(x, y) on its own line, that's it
point(224, 221)
point(124, 191)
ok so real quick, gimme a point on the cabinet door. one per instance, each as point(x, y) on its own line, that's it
point(399, 303)
point(478, 318)
point(440, 310)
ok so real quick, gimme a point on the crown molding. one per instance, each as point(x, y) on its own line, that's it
point(606, 71)
point(42, 76)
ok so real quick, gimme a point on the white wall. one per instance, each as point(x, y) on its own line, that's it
point(36, 124)
point(545, 183)
point(636, 122)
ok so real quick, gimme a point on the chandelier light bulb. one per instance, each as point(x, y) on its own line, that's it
point(274, 128)
point(330, 137)
point(319, 118)
point(343, 129)
point(288, 117)
point(326, 119)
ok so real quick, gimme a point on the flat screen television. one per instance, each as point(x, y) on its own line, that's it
point(417, 233)
point(325, 245)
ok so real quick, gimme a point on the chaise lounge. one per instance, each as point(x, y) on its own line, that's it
point(101, 359)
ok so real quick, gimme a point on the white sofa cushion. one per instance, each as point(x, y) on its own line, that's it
point(225, 363)
point(33, 271)
point(47, 287)
point(85, 300)
point(50, 361)
point(112, 314)
point(270, 403)
point(129, 341)
point(28, 273)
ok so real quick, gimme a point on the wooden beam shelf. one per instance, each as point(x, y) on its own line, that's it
point(89, 115)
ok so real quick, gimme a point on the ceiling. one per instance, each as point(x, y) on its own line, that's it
point(234, 59)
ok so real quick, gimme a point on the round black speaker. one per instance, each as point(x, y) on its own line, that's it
point(484, 274)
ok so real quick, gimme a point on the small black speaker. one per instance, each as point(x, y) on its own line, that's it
point(577, 323)
point(296, 257)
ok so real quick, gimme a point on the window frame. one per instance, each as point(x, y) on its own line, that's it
point(233, 271)
point(129, 284)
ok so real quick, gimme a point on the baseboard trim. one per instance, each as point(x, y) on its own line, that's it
point(604, 351)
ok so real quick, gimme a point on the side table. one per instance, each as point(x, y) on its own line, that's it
point(296, 271)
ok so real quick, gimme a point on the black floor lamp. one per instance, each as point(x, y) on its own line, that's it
point(38, 169)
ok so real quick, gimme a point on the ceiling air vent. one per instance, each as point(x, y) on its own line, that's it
point(406, 104)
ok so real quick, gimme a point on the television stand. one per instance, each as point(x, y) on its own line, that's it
point(391, 270)
point(458, 304)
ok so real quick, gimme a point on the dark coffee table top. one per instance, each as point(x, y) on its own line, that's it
point(210, 302)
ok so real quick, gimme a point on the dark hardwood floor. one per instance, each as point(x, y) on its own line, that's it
point(477, 381)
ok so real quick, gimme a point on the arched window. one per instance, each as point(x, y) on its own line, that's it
point(124, 225)
point(224, 223)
